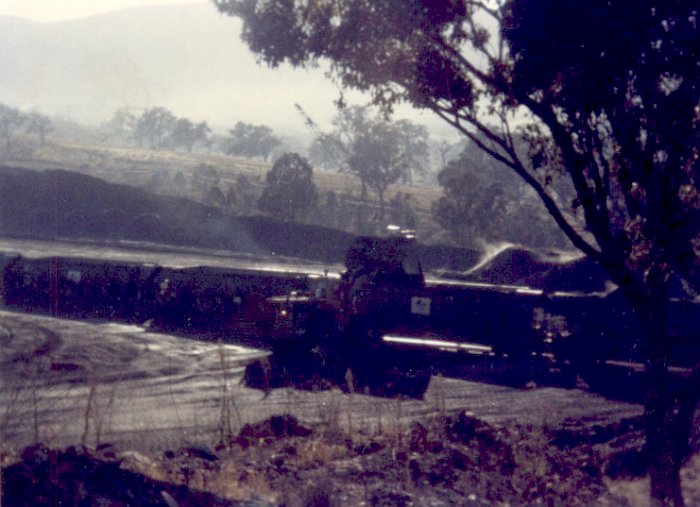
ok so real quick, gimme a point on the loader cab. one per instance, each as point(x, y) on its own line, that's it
point(387, 261)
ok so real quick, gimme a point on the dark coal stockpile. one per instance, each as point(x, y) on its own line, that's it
point(58, 204)
point(516, 265)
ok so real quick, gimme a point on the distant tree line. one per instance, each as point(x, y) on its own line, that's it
point(251, 141)
point(478, 202)
point(378, 152)
point(158, 128)
point(15, 123)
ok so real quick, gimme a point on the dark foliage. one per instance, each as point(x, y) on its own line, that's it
point(290, 192)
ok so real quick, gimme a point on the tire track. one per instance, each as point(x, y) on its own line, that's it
point(151, 390)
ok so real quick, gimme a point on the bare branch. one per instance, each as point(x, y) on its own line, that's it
point(495, 13)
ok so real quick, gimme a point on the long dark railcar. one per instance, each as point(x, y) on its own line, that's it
point(379, 320)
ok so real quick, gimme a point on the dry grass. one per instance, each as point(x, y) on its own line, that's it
point(318, 452)
point(113, 163)
point(130, 165)
point(634, 491)
point(230, 485)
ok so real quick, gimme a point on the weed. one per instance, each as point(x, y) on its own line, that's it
point(228, 402)
point(329, 409)
point(320, 495)
point(236, 483)
point(87, 414)
point(315, 452)
point(97, 411)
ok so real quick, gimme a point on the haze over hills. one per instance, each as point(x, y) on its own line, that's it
point(186, 58)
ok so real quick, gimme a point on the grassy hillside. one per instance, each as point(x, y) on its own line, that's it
point(170, 172)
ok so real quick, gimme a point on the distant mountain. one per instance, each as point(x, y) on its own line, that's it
point(186, 58)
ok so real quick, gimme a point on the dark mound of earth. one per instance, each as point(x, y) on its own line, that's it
point(78, 476)
point(516, 265)
point(59, 204)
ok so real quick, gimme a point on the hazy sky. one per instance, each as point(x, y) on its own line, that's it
point(60, 10)
point(255, 95)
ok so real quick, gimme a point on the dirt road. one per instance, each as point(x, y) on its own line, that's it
point(65, 381)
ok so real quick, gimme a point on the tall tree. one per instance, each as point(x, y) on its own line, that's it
point(11, 120)
point(478, 206)
point(377, 151)
point(380, 156)
point(187, 134)
point(327, 151)
point(205, 177)
point(469, 210)
point(443, 150)
point(154, 127)
point(606, 93)
point(290, 192)
point(414, 145)
point(40, 125)
point(123, 124)
point(622, 115)
point(252, 141)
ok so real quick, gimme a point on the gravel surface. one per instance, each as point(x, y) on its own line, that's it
point(66, 382)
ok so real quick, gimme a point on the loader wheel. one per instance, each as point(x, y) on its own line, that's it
point(265, 374)
point(387, 384)
point(587, 361)
point(364, 375)
point(408, 385)
point(325, 350)
point(521, 364)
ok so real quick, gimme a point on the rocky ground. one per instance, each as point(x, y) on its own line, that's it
point(452, 460)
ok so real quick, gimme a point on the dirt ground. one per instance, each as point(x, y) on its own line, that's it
point(126, 416)
point(452, 460)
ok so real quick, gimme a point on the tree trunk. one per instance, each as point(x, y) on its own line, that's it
point(669, 430)
point(666, 414)
point(661, 443)
point(380, 193)
point(361, 209)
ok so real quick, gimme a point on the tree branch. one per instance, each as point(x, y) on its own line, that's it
point(551, 206)
point(574, 164)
